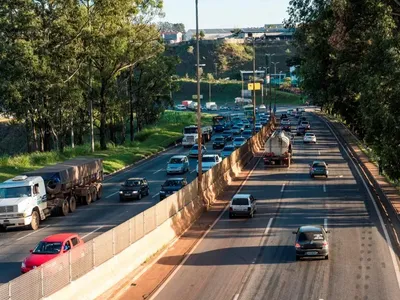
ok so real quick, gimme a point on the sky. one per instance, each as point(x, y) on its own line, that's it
point(226, 13)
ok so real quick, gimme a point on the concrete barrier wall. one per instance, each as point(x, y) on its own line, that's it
point(180, 210)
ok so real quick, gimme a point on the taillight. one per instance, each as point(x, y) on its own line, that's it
point(297, 245)
point(325, 245)
point(230, 208)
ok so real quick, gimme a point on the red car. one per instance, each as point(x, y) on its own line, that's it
point(49, 248)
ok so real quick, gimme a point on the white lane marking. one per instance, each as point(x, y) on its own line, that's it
point(319, 152)
point(236, 297)
point(326, 224)
point(324, 188)
point(268, 226)
point(389, 242)
point(155, 195)
point(283, 187)
point(157, 171)
point(156, 293)
point(112, 194)
point(97, 229)
point(36, 231)
point(193, 171)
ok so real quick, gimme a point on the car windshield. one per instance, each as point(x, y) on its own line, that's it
point(229, 148)
point(15, 192)
point(311, 236)
point(240, 139)
point(219, 139)
point(208, 159)
point(48, 248)
point(246, 132)
point(195, 147)
point(318, 165)
point(173, 183)
point(227, 132)
point(240, 201)
point(132, 182)
point(175, 160)
point(304, 122)
point(309, 134)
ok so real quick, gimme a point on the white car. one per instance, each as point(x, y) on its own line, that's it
point(180, 107)
point(208, 161)
point(242, 205)
point(310, 138)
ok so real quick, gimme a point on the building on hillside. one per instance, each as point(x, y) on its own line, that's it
point(171, 37)
point(209, 34)
point(268, 32)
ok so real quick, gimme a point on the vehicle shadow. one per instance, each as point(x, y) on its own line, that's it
point(9, 271)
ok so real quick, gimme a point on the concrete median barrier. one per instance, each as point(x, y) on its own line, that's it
point(89, 271)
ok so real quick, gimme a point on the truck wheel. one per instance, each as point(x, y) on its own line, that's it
point(64, 209)
point(99, 192)
point(3, 228)
point(87, 199)
point(72, 204)
point(93, 192)
point(35, 220)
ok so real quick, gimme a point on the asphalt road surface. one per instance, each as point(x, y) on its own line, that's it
point(255, 258)
point(91, 221)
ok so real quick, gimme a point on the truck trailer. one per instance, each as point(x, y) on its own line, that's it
point(30, 198)
point(190, 135)
point(278, 150)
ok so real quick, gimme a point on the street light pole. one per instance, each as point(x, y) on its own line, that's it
point(199, 134)
point(275, 63)
point(270, 81)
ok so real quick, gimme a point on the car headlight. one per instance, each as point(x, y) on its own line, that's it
point(162, 192)
point(23, 265)
point(121, 192)
point(135, 192)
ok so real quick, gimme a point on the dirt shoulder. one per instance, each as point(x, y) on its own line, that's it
point(144, 281)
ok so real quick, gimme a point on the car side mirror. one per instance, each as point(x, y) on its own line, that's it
point(328, 231)
point(122, 185)
point(294, 232)
point(327, 164)
point(31, 251)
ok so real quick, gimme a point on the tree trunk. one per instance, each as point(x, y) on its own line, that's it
point(103, 118)
point(28, 135)
point(72, 133)
point(35, 145)
point(131, 97)
point(123, 132)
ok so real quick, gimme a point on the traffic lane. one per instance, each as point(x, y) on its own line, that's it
point(229, 248)
point(88, 221)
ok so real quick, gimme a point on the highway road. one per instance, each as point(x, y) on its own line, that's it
point(255, 258)
point(91, 221)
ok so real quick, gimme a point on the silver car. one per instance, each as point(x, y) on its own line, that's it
point(178, 164)
point(239, 142)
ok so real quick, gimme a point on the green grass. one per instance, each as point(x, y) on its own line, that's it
point(225, 92)
point(149, 141)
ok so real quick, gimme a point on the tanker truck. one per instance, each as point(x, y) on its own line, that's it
point(30, 198)
point(278, 150)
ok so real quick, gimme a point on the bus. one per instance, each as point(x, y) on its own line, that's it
point(221, 122)
point(248, 111)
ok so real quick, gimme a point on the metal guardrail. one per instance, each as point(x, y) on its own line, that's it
point(61, 271)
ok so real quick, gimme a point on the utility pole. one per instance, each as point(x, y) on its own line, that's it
point(209, 91)
point(270, 80)
point(90, 83)
point(199, 134)
point(254, 84)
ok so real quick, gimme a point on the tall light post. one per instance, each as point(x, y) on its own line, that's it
point(270, 81)
point(199, 135)
point(254, 84)
point(275, 63)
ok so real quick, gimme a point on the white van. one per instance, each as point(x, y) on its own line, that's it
point(242, 205)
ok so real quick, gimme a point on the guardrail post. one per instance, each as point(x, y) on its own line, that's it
point(130, 231)
point(70, 265)
point(113, 242)
point(9, 290)
point(42, 280)
point(94, 253)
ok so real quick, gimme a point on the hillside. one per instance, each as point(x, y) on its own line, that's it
point(228, 61)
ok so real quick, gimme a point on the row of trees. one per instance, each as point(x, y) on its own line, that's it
point(349, 52)
point(65, 62)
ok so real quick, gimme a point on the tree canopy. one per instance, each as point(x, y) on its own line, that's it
point(349, 64)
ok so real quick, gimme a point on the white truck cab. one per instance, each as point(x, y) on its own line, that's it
point(22, 201)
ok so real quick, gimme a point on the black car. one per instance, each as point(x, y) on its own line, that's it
point(286, 128)
point(218, 128)
point(301, 119)
point(284, 116)
point(311, 241)
point(301, 130)
point(219, 142)
point(134, 188)
point(228, 135)
point(171, 186)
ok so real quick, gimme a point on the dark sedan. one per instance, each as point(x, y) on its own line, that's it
point(134, 188)
point(311, 241)
point(171, 186)
point(219, 142)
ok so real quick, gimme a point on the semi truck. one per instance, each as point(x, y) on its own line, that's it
point(190, 135)
point(31, 197)
point(278, 150)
